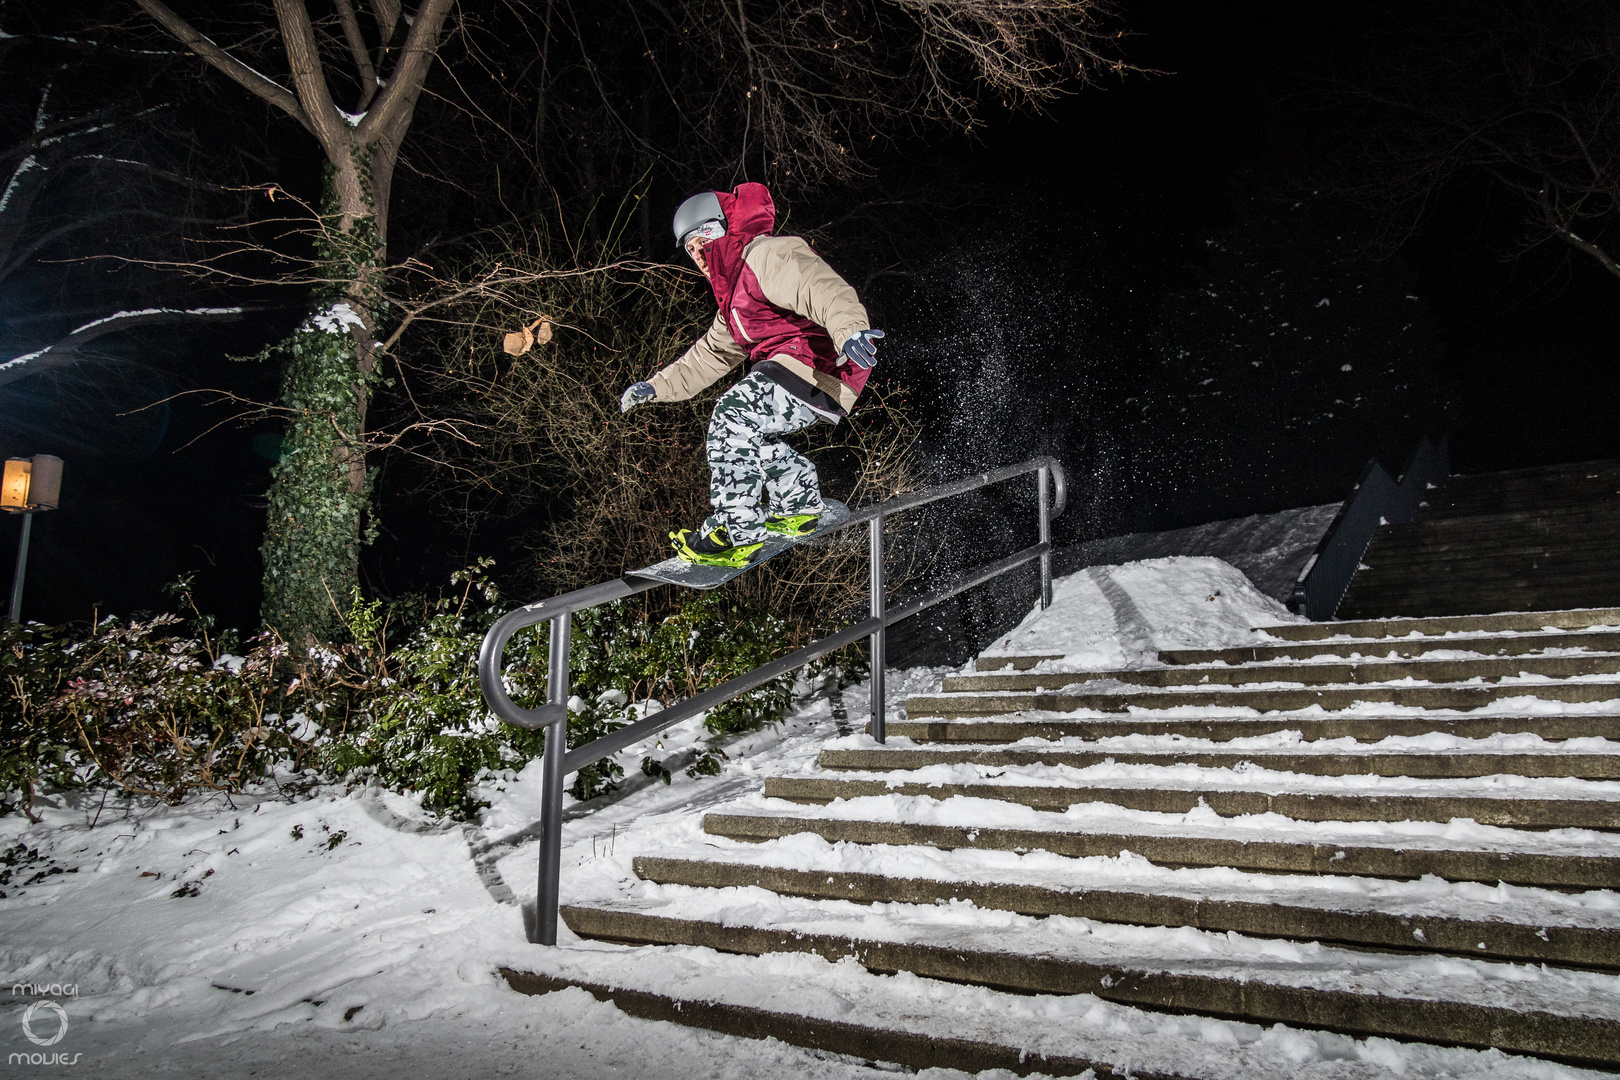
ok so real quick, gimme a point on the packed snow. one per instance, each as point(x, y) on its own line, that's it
point(1119, 617)
point(347, 933)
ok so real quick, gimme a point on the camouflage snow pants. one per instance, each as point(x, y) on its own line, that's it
point(747, 460)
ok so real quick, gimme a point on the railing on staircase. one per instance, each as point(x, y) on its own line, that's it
point(1375, 500)
point(557, 761)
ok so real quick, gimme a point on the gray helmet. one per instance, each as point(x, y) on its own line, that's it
point(696, 212)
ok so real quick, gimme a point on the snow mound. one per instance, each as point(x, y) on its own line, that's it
point(1119, 617)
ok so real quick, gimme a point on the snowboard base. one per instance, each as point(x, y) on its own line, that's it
point(677, 571)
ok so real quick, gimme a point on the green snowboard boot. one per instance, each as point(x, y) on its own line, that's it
point(714, 549)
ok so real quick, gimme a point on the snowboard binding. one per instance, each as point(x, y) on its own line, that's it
point(713, 549)
point(792, 524)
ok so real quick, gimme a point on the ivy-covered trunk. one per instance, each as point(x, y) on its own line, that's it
point(320, 488)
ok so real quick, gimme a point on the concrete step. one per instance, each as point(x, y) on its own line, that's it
point(853, 1014)
point(1458, 600)
point(1413, 927)
point(1445, 696)
point(1401, 854)
point(1263, 699)
point(1481, 502)
point(1524, 644)
point(1497, 492)
point(1564, 619)
point(1363, 761)
point(1015, 663)
point(1318, 673)
point(1547, 581)
point(1290, 797)
point(1359, 726)
point(1443, 573)
point(1571, 1015)
point(1487, 506)
point(1575, 524)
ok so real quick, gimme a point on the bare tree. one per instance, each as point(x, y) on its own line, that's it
point(362, 147)
point(1526, 95)
point(319, 490)
point(598, 98)
point(825, 79)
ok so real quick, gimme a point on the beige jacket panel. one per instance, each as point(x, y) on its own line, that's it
point(701, 366)
point(794, 277)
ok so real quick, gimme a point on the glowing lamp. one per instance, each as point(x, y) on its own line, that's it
point(32, 484)
point(14, 488)
point(28, 486)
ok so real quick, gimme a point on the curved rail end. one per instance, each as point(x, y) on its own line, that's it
point(1060, 486)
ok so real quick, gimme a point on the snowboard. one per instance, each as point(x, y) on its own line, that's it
point(678, 571)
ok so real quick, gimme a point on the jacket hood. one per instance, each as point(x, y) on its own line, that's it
point(750, 212)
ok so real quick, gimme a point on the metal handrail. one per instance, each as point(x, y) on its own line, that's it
point(557, 761)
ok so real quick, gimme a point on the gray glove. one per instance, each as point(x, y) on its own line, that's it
point(861, 348)
point(637, 394)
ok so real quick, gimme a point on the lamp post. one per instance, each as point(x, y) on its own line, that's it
point(29, 486)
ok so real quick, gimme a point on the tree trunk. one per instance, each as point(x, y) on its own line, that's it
point(320, 489)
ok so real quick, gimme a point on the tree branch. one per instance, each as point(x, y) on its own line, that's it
point(261, 86)
point(304, 57)
point(14, 260)
point(386, 12)
point(1582, 244)
point(357, 49)
point(65, 352)
point(393, 107)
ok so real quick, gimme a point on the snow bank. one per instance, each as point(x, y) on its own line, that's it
point(1270, 549)
point(1119, 617)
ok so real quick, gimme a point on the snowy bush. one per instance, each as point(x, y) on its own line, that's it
point(161, 706)
point(33, 749)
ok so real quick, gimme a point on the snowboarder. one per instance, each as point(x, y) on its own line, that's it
point(810, 349)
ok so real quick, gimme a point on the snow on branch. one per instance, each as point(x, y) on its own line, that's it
point(255, 82)
point(64, 352)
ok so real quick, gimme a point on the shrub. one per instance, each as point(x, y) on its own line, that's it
point(33, 749)
point(161, 706)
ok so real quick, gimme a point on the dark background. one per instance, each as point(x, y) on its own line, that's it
point(1054, 294)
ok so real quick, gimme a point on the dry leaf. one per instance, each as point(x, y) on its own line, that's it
point(516, 344)
point(519, 343)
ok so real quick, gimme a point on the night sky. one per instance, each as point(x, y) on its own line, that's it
point(1069, 260)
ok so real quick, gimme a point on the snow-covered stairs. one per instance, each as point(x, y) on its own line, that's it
point(1405, 829)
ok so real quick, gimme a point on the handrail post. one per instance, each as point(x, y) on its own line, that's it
point(1043, 476)
point(878, 659)
point(551, 787)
